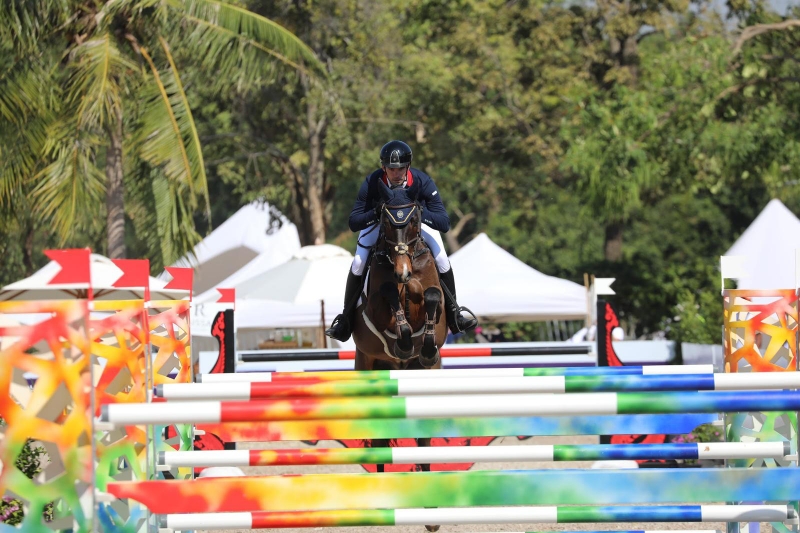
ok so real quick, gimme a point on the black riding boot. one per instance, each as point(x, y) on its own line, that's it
point(455, 321)
point(342, 325)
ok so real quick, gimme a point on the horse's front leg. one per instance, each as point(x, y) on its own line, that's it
point(403, 346)
point(429, 356)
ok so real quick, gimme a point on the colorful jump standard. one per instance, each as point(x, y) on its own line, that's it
point(505, 385)
point(473, 454)
point(485, 515)
point(490, 405)
point(349, 375)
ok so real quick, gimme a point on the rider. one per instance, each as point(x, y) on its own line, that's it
point(377, 190)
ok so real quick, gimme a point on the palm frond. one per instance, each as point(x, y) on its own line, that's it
point(170, 135)
point(229, 30)
point(174, 221)
point(21, 155)
point(98, 67)
point(24, 23)
point(149, 12)
point(70, 189)
point(24, 91)
point(25, 113)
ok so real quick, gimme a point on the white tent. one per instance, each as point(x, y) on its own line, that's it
point(104, 274)
point(313, 273)
point(238, 241)
point(498, 287)
point(287, 295)
point(769, 244)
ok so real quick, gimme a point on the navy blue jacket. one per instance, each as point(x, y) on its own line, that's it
point(419, 185)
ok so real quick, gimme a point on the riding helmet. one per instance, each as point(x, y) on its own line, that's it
point(395, 154)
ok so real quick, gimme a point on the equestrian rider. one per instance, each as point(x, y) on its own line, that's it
point(378, 189)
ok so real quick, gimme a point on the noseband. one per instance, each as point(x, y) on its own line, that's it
point(400, 216)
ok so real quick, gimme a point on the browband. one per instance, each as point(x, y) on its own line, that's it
point(400, 215)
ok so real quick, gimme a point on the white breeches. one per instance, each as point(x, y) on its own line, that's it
point(369, 238)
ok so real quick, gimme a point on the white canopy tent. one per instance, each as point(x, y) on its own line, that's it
point(245, 236)
point(498, 287)
point(104, 274)
point(769, 245)
point(289, 295)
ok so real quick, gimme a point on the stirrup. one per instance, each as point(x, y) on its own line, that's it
point(468, 323)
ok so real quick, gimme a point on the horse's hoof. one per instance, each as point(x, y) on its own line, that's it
point(429, 362)
point(432, 528)
point(402, 354)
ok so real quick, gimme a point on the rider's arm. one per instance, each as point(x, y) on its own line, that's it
point(362, 216)
point(433, 212)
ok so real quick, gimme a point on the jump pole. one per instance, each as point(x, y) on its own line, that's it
point(481, 515)
point(507, 385)
point(484, 350)
point(473, 454)
point(489, 405)
point(322, 492)
point(441, 373)
point(396, 428)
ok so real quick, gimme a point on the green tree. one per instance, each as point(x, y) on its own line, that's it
point(93, 94)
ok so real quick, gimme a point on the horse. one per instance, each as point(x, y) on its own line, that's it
point(400, 322)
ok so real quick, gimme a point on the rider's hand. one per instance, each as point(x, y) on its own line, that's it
point(377, 211)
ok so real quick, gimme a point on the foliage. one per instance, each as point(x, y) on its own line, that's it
point(93, 91)
point(29, 462)
point(634, 140)
point(697, 319)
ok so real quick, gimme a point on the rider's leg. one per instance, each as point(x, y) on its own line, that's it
point(455, 321)
point(342, 326)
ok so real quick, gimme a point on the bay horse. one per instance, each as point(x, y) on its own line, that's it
point(400, 322)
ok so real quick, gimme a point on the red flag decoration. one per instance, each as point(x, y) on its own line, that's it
point(74, 265)
point(135, 273)
point(181, 278)
point(227, 296)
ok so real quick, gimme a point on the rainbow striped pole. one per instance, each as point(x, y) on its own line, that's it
point(440, 373)
point(474, 454)
point(395, 428)
point(322, 492)
point(478, 515)
point(489, 405)
point(480, 350)
point(508, 385)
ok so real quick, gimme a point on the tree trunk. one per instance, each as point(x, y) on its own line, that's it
point(455, 231)
point(300, 206)
point(115, 191)
point(316, 173)
point(613, 243)
point(27, 248)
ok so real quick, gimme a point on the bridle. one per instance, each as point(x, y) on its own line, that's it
point(400, 216)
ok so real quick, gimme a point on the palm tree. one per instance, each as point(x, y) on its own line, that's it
point(93, 110)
